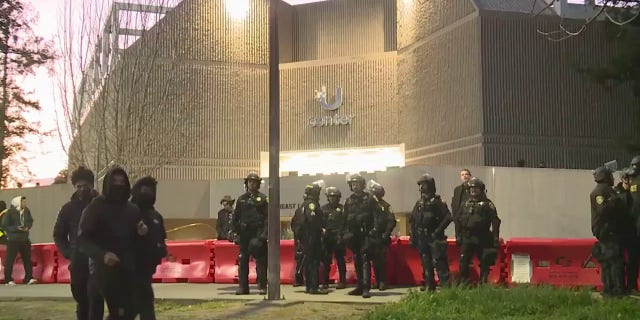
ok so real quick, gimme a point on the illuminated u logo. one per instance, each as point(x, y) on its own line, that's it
point(322, 97)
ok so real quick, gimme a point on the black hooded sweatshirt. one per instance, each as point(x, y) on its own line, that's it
point(153, 248)
point(109, 224)
point(65, 232)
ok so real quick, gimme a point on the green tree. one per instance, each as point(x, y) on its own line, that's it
point(623, 69)
point(21, 53)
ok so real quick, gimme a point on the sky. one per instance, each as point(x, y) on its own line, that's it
point(45, 155)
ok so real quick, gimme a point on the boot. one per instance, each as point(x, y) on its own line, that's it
point(375, 285)
point(382, 286)
point(356, 292)
point(366, 294)
point(262, 291)
point(341, 285)
point(242, 291)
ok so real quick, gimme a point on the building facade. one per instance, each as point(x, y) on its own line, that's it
point(370, 84)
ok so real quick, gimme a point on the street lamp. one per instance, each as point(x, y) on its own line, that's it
point(274, 155)
point(238, 9)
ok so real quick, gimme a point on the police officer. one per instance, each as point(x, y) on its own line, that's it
point(479, 231)
point(223, 223)
point(630, 240)
point(362, 212)
point(332, 240)
point(607, 213)
point(387, 222)
point(152, 249)
point(429, 219)
point(298, 248)
point(250, 224)
point(65, 234)
point(309, 227)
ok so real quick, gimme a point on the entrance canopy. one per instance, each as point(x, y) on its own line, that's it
point(328, 161)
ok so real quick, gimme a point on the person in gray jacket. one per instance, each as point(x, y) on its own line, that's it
point(17, 222)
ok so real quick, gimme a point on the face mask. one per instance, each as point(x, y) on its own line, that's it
point(85, 194)
point(119, 193)
point(147, 198)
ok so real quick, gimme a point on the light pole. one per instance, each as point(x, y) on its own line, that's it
point(274, 155)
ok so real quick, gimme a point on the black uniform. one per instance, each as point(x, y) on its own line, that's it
point(607, 213)
point(250, 224)
point(223, 224)
point(362, 212)
point(460, 196)
point(630, 242)
point(333, 243)
point(480, 232)
point(309, 227)
point(150, 251)
point(14, 222)
point(299, 250)
point(65, 234)
point(429, 219)
point(386, 224)
point(110, 224)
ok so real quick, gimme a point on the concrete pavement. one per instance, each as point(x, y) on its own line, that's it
point(210, 291)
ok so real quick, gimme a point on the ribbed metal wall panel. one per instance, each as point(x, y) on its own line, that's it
point(537, 107)
point(417, 19)
point(369, 90)
point(343, 28)
point(439, 93)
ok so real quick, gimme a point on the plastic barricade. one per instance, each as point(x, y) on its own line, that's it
point(64, 276)
point(43, 260)
point(390, 266)
point(557, 262)
point(226, 262)
point(46, 261)
point(334, 276)
point(187, 261)
point(408, 265)
point(287, 262)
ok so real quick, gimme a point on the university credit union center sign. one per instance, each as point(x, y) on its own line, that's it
point(329, 120)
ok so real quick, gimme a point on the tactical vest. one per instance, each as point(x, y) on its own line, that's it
point(428, 215)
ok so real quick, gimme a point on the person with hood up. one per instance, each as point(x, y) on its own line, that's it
point(152, 249)
point(65, 234)
point(111, 230)
point(17, 222)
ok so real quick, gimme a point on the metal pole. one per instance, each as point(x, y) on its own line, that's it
point(274, 155)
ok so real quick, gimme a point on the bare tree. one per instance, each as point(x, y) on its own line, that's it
point(119, 86)
point(618, 12)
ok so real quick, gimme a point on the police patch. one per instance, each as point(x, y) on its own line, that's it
point(634, 188)
point(599, 200)
point(492, 206)
point(312, 206)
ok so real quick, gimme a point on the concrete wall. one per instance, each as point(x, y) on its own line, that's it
point(530, 202)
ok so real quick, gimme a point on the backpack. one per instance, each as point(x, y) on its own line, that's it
point(3, 234)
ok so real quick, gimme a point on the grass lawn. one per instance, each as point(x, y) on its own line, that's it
point(522, 303)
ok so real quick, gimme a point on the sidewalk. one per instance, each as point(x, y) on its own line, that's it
point(196, 292)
